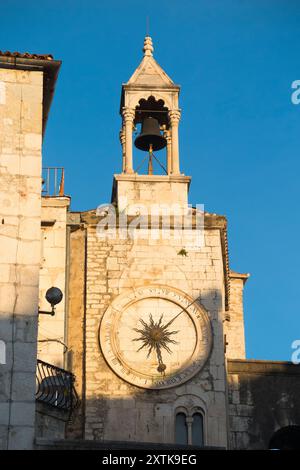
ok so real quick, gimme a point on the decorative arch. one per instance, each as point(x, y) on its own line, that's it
point(190, 403)
point(134, 99)
point(287, 438)
point(152, 107)
point(190, 421)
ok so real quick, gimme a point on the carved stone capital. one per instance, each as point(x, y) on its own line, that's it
point(174, 116)
point(167, 136)
point(128, 114)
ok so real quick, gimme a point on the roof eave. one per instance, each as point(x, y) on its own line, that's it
point(50, 69)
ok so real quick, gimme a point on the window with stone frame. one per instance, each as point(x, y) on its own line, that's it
point(189, 428)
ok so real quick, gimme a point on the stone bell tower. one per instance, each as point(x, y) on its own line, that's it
point(150, 93)
point(154, 362)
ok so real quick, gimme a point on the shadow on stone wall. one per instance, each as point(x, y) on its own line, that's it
point(264, 402)
point(137, 414)
point(17, 378)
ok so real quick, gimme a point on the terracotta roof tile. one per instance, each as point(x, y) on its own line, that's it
point(26, 55)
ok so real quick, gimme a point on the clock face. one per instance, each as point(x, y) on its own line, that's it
point(153, 337)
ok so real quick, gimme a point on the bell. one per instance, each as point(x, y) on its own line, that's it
point(150, 137)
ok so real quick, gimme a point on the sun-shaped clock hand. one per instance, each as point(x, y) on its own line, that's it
point(155, 336)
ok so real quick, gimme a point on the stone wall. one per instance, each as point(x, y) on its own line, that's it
point(76, 325)
point(234, 328)
point(50, 423)
point(53, 271)
point(264, 396)
point(116, 410)
point(21, 95)
point(139, 193)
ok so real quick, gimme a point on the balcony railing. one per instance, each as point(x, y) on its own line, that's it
point(53, 181)
point(55, 386)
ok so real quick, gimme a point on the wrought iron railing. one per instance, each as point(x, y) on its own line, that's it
point(53, 181)
point(55, 386)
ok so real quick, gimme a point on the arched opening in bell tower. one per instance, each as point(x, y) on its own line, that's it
point(152, 136)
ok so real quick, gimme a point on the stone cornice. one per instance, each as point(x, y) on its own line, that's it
point(153, 178)
point(56, 201)
point(211, 221)
point(243, 276)
point(139, 87)
point(250, 366)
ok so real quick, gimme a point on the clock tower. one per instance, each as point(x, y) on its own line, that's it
point(157, 289)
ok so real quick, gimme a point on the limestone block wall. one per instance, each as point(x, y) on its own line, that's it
point(234, 328)
point(21, 94)
point(51, 333)
point(116, 410)
point(264, 396)
point(130, 191)
point(50, 423)
point(76, 325)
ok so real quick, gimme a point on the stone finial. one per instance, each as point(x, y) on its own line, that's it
point(148, 46)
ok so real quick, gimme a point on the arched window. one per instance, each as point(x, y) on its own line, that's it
point(181, 430)
point(197, 430)
point(189, 429)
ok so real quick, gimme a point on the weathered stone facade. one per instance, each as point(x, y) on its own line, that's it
point(51, 338)
point(23, 112)
point(115, 266)
point(137, 193)
point(227, 388)
point(264, 397)
point(20, 208)
point(147, 274)
point(77, 319)
point(234, 327)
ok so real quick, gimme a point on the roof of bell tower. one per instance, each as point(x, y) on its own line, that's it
point(149, 72)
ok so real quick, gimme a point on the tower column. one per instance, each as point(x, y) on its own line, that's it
point(122, 140)
point(167, 135)
point(128, 117)
point(174, 117)
point(189, 424)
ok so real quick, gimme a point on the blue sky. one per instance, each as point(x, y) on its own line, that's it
point(239, 133)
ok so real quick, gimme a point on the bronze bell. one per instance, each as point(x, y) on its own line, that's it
point(150, 136)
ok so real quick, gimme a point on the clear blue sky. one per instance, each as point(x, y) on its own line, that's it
point(239, 134)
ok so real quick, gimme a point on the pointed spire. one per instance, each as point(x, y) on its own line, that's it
point(148, 46)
